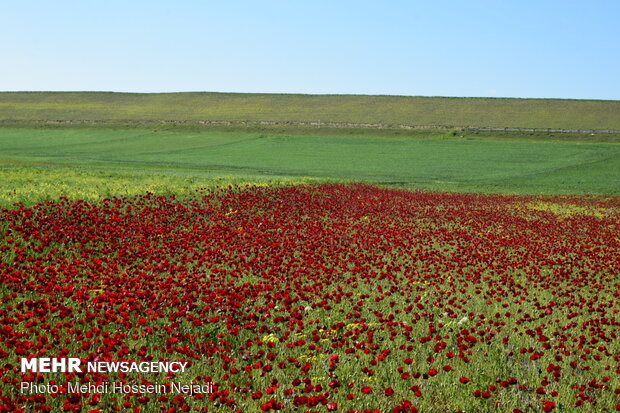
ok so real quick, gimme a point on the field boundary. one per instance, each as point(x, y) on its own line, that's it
point(318, 124)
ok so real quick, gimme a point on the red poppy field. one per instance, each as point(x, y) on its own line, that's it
point(315, 298)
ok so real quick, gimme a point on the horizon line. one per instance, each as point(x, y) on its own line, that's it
point(306, 94)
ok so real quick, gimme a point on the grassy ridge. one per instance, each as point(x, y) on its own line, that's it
point(89, 163)
point(354, 109)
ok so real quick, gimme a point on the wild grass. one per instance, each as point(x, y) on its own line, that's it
point(31, 185)
point(354, 109)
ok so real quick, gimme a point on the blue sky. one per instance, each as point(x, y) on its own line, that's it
point(503, 48)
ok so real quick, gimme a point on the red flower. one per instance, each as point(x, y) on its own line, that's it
point(271, 405)
point(548, 405)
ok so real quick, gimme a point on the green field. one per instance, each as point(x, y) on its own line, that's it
point(94, 144)
point(133, 108)
point(44, 164)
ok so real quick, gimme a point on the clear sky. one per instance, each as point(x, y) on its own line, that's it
point(504, 48)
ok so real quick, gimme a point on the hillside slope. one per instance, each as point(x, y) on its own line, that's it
point(342, 109)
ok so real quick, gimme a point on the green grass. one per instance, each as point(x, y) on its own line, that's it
point(43, 164)
point(31, 185)
point(355, 109)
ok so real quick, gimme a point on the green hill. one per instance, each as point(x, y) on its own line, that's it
point(341, 110)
